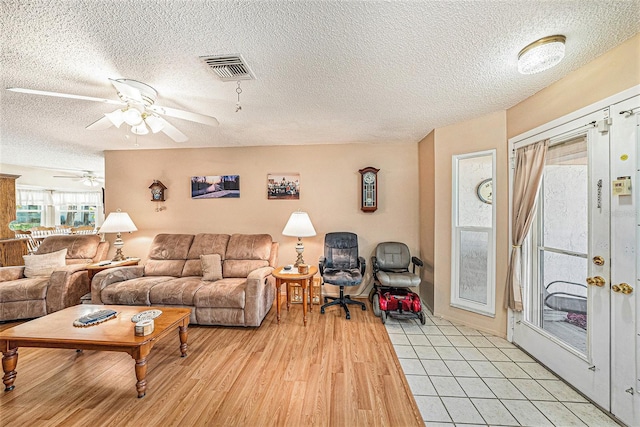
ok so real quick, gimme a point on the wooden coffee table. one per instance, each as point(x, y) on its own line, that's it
point(56, 330)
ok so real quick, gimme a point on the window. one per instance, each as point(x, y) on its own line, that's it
point(77, 215)
point(28, 216)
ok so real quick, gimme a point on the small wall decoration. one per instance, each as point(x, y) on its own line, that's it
point(215, 186)
point(284, 186)
point(157, 191)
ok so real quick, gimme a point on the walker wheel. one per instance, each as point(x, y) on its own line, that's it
point(423, 318)
point(372, 292)
point(383, 316)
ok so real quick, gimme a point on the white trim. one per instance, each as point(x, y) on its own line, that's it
point(488, 309)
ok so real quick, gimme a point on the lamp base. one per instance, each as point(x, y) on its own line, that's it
point(299, 250)
point(118, 244)
point(119, 256)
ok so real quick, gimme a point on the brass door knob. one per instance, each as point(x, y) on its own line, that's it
point(596, 281)
point(598, 260)
point(622, 288)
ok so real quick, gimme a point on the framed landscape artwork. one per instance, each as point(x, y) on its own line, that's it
point(283, 186)
point(215, 186)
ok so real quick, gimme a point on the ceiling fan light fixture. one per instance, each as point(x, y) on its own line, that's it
point(90, 182)
point(140, 129)
point(116, 117)
point(155, 123)
point(541, 55)
point(132, 117)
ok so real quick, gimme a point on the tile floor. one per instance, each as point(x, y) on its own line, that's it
point(463, 377)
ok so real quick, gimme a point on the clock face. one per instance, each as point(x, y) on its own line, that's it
point(156, 193)
point(485, 191)
point(369, 177)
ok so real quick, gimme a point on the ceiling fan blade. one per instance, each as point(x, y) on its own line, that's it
point(65, 95)
point(100, 124)
point(184, 115)
point(129, 92)
point(172, 132)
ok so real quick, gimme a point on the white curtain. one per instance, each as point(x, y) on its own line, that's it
point(33, 197)
point(92, 198)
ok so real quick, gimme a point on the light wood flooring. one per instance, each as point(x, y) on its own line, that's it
point(334, 372)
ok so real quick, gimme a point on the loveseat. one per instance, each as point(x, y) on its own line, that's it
point(225, 279)
point(55, 277)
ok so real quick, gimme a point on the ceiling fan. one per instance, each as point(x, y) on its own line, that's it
point(88, 178)
point(137, 109)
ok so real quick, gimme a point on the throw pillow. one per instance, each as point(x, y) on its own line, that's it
point(211, 267)
point(43, 265)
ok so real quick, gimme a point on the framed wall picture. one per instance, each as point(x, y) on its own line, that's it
point(215, 186)
point(283, 186)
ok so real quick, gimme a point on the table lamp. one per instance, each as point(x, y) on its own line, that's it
point(118, 222)
point(299, 225)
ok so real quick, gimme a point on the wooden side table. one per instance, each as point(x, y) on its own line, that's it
point(93, 269)
point(304, 280)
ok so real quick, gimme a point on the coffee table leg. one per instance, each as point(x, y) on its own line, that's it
point(182, 331)
point(140, 355)
point(9, 362)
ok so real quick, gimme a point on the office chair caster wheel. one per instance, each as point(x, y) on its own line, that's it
point(423, 318)
point(376, 305)
point(348, 316)
point(383, 316)
point(364, 307)
point(322, 311)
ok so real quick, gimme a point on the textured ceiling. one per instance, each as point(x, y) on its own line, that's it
point(326, 71)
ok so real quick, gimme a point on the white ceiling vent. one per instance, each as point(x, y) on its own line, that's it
point(228, 67)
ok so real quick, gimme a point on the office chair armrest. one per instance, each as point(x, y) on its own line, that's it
point(362, 264)
point(374, 264)
point(321, 264)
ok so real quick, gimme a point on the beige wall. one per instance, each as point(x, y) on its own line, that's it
point(483, 133)
point(611, 73)
point(330, 185)
point(427, 185)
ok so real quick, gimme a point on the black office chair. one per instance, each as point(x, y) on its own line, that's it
point(341, 266)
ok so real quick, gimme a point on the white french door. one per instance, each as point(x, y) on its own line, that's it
point(581, 264)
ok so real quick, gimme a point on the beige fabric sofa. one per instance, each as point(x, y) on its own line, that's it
point(28, 297)
point(172, 276)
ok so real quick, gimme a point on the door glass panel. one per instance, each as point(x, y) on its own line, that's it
point(474, 248)
point(563, 221)
point(564, 298)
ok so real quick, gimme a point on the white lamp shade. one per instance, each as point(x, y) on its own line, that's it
point(140, 129)
point(116, 117)
point(541, 55)
point(155, 123)
point(118, 222)
point(299, 225)
point(132, 117)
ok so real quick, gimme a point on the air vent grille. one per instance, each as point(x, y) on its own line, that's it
point(228, 67)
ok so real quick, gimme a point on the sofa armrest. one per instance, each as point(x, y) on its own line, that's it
point(66, 286)
point(113, 275)
point(11, 273)
point(259, 295)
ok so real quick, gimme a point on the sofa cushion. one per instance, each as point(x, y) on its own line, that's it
point(24, 289)
point(204, 244)
point(168, 254)
point(44, 265)
point(178, 291)
point(241, 268)
point(227, 293)
point(249, 246)
point(81, 246)
point(211, 267)
point(132, 292)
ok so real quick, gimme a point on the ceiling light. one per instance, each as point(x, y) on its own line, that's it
point(140, 129)
point(541, 54)
point(132, 117)
point(155, 123)
point(116, 117)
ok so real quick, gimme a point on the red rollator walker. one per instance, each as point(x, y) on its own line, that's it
point(392, 279)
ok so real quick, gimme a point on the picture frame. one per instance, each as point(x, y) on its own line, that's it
point(215, 187)
point(283, 186)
